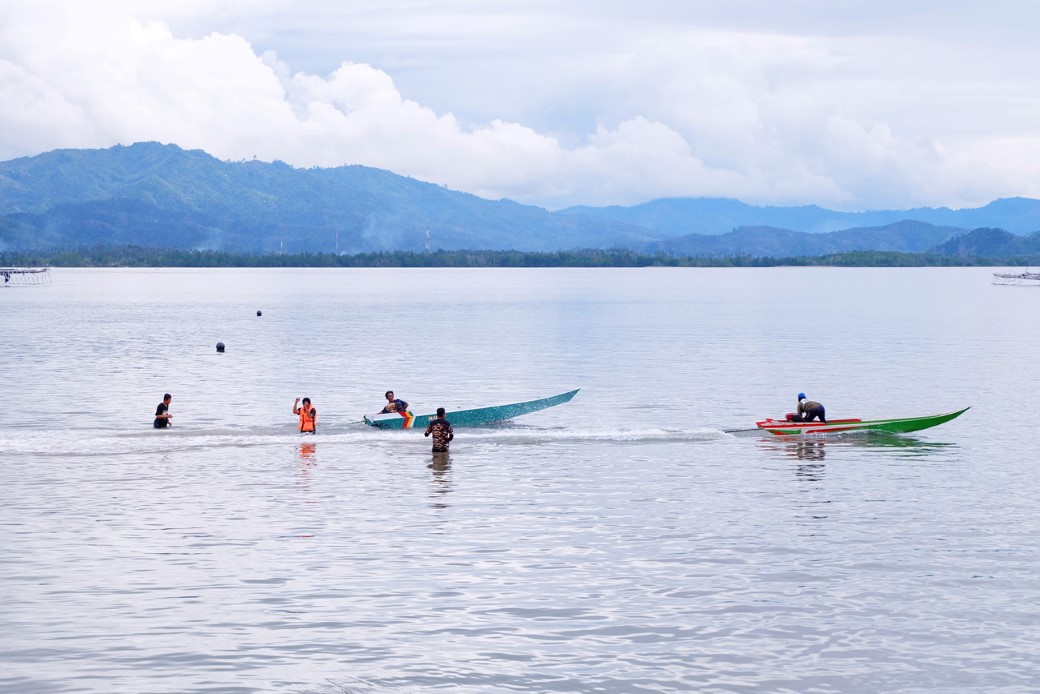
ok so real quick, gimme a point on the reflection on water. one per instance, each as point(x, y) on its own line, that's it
point(442, 482)
point(306, 458)
point(815, 447)
point(307, 451)
point(811, 451)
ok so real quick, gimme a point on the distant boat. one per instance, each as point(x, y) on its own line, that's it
point(468, 418)
point(1019, 278)
point(25, 276)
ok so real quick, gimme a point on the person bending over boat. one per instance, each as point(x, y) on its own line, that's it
point(442, 432)
point(809, 410)
point(394, 404)
point(308, 416)
point(162, 413)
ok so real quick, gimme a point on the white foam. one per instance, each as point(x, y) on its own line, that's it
point(84, 442)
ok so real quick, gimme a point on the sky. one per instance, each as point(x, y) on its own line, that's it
point(848, 104)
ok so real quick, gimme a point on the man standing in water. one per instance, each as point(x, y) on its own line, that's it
point(308, 416)
point(162, 413)
point(441, 430)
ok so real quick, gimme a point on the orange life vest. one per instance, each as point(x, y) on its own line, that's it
point(307, 417)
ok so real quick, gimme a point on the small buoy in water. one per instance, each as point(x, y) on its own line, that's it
point(220, 346)
point(259, 313)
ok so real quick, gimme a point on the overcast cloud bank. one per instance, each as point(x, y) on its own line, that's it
point(589, 105)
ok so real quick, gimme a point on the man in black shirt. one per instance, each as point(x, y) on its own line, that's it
point(162, 413)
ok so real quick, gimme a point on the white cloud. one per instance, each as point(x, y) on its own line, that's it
point(592, 104)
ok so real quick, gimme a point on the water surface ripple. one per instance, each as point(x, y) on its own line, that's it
point(625, 542)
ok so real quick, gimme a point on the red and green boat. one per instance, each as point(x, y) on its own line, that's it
point(468, 418)
point(787, 427)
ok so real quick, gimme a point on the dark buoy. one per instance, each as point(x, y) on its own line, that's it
point(259, 313)
point(220, 346)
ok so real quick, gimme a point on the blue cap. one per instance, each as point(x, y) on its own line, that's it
point(801, 396)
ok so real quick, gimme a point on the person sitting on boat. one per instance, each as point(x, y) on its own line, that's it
point(809, 410)
point(395, 404)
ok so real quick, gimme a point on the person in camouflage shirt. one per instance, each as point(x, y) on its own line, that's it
point(441, 430)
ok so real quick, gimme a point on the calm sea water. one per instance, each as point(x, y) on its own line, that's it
point(624, 542)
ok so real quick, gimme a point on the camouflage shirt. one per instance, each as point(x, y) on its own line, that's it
point(442, 434)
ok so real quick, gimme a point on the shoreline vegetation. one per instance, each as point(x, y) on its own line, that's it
point(137, 256)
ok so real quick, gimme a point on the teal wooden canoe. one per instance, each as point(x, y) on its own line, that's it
point(468, 418)
point(897, 426)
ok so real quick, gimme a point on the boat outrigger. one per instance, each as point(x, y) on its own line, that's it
point(468, 418)
point(23, 276)
point(1017, 278)
point(789, 427)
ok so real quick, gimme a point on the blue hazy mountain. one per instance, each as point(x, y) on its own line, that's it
point(763, 241)
point(676, 217)
point(149, 194)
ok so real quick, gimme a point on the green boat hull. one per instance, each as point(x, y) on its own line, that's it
point(904, 426)
point(894, 426)
point(470, 418)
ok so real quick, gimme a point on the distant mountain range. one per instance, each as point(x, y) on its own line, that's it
point(905, 236)
point(155, 195)
point(675, 217)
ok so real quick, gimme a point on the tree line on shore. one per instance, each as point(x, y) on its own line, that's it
point(137, 256)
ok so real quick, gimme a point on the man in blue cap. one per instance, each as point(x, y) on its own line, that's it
point(809, 410)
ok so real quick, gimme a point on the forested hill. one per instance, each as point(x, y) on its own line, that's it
point(991, 243)
point(150, 194)
point(161, 196)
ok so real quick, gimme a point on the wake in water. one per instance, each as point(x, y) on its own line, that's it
point(94, 442)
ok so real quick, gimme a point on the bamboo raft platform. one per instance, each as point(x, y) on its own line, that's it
point(1013, 278)
point(25, 276)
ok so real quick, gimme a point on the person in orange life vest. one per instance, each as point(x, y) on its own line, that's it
point(395, 405)
point(308, 416)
